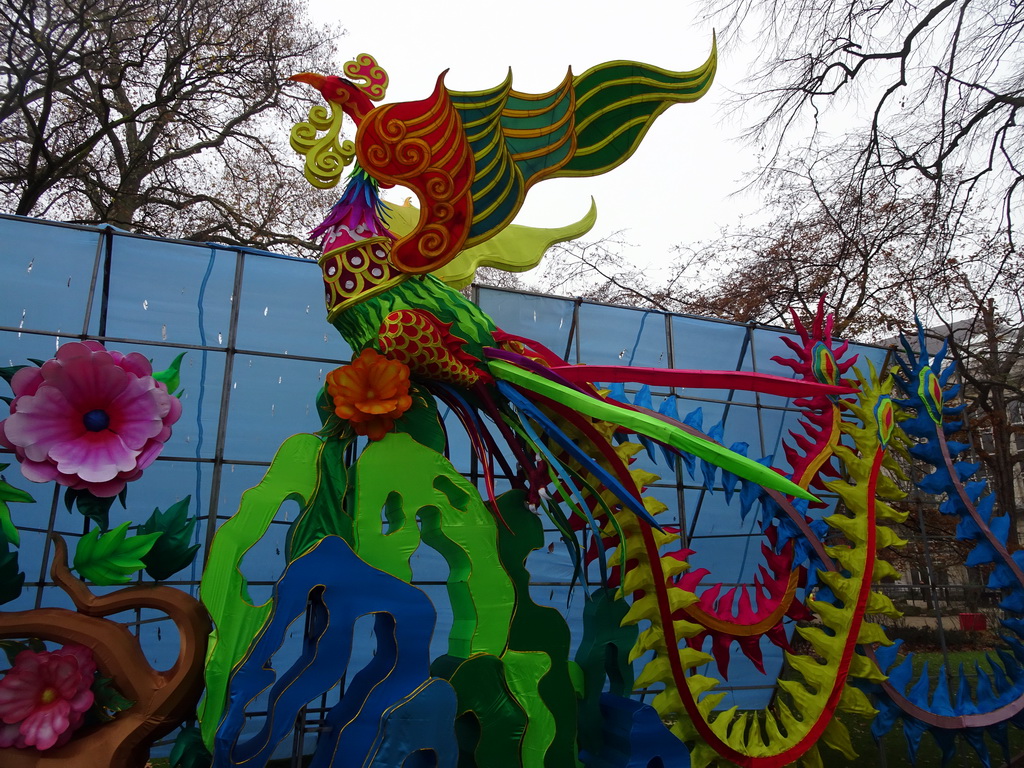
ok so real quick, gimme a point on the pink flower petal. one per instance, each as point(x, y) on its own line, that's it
point(87, 381)
point(82, 654)
point(64, 674)
point(26, 381)
point(46, 723)
point(94, 456)
point(104, 490)
point(41, 471)
point(10, 736)
point(82, 701)
point(75, 720)
point(173, 410)
point(148, 455)
point(29, 661)
point(19, 699)
point(137, 364)
point(43, 420)
point(136, 414)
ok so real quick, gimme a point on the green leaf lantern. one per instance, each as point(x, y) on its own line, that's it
point(189, 751)
point(8, 493)
point(171, 376)
point(12, 579)
point(113, 557)
point(173, 550)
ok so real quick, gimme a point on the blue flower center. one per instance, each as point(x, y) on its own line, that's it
point(96, 420)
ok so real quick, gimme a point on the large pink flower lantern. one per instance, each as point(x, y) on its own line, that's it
point(90, 418)
point(44, 696)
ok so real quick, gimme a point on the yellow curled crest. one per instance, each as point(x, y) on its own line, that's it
point(326, 157)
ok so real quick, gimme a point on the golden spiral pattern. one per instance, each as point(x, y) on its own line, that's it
point(377, 156)
point(443, 211)
point(414, 157)
point(433, 241)
point(441, 186)
point(393, 129)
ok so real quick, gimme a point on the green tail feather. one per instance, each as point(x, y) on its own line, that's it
point(654, 428)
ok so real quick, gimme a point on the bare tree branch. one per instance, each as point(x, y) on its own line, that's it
point(140, 113)
point(938, 85)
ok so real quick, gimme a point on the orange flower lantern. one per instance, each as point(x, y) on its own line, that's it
point(370, 393)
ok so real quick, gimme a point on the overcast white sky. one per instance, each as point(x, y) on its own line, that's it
point(677, 186)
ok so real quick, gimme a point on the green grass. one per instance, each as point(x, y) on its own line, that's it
point(956, 658)
point(894, 745)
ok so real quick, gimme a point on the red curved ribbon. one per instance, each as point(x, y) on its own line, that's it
point(760, 382)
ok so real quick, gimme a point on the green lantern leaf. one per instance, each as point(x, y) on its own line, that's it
point(8, 493)
point(171, 376)
point(189, 751)
point(332, 426)
point(108, 701)
point(421, 421)
point(112, 558)
point(173, 550)
point(93, 507)
point(12, 648)
point(11, 578)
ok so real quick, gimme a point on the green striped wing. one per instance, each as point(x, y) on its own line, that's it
point(617, 102)
point(516, 139)
point(586, 126)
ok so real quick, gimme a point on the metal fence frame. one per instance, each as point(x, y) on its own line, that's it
point(690, 496)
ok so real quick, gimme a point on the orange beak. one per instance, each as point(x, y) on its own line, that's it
point(310, 78)
point(338, 91)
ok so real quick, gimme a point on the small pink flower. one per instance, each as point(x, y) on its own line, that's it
point(89, 418)
point(44, 696)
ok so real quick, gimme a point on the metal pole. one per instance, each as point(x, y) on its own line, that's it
point(931, 585)
point(677, 463)
point(225, 401)
point(100, 243)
